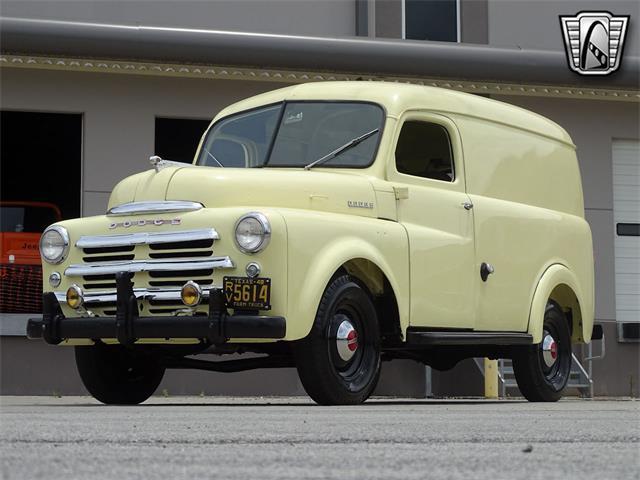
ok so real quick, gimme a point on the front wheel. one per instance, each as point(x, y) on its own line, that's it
point(339, 361)
point(542, 370)
point(116, 375)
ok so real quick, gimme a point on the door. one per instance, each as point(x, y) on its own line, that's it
point(626, 217)
point(428, 174)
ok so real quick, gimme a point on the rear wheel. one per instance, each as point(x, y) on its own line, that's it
point(339, 361)
point(116, 375)
point(542, 370)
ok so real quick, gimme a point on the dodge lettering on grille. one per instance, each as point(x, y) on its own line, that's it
point(143, 223)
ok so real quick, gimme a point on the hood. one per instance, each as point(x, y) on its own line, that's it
point(340, 192)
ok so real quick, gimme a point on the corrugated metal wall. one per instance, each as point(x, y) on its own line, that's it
point(626, 217)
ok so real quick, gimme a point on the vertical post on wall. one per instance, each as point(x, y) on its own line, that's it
point(428, 379)
point(366, 18)
point(490, 378)
point(458, 21)
point(590, 366)
point(362, 18)
point(403, 16)
point(371, 18)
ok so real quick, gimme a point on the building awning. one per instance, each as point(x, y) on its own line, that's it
point(372, 57)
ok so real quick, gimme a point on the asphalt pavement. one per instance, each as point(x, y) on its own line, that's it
point(287, 438)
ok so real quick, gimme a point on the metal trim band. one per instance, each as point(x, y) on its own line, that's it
point(140, 208)
point(293, 77)
point(145, 238)
point(134, 266)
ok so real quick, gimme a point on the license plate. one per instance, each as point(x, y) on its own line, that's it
point(247, 293)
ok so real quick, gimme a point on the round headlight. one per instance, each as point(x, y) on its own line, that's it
point(253, 232)
point(54, 244)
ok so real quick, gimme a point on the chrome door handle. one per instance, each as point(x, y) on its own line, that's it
point(486, 269)
point(467, 205)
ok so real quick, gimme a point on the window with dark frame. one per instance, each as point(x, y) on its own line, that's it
point(40, 183)
point(435, 20)
point(39, 152)
point(177, 138)
point(424, 150)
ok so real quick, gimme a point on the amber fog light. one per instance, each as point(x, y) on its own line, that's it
point(75, 299)
point(191, 294)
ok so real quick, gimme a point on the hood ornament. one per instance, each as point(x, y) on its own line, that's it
point(160, 163)
point(155, 161)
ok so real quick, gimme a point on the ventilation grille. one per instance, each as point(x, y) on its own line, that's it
point(166, 251)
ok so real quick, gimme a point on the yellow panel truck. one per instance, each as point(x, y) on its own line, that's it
point(332, 226)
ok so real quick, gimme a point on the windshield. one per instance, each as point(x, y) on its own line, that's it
point(295, 134)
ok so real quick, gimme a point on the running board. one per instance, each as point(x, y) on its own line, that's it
point(421, 337)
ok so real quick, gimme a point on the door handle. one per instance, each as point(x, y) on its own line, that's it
point(467, 205)
point(486, 269)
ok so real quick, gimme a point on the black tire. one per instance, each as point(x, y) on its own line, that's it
point(326, 376)
point(537, 380)
point(115, 375)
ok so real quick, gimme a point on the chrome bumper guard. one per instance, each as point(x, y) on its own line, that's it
point(127, 326)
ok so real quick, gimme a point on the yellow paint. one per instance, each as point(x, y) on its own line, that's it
point(517, 168)
point(490, 378)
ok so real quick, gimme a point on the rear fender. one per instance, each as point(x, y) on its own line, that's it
point(561, 285)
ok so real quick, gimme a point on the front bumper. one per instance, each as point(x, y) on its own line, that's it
point(127, 326)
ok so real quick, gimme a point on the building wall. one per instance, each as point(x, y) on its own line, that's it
point(505, 23)
point(535, 24)
point(326, 18)
point(473, 19)
point(388, 18)
point(118, 115)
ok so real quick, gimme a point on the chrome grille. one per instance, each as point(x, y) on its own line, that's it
point(166, 259)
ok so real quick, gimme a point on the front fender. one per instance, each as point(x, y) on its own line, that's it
point(320, 243)
point(555, 276)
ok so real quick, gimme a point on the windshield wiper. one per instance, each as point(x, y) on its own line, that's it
point(350, 144)
point(214, 158)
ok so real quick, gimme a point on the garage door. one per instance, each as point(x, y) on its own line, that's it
point(626, 214)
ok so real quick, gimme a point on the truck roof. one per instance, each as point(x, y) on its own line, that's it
point(397, 98)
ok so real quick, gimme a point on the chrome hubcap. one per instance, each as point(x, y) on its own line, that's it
point(346, 341)
point(549, 350)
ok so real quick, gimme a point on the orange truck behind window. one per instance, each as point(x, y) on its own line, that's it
point(20, 265)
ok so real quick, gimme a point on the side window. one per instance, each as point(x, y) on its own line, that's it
point(424, 150)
